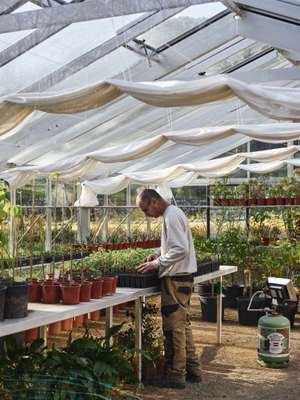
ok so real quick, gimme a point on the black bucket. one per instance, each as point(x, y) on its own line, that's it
point(205, 289)
point(2, 301)
point(209, 308)
point(232, 293)
point(250, 318)
point(16, 300)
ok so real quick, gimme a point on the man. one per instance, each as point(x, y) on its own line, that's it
point(175, 264)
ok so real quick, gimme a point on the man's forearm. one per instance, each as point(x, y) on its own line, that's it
point(173, 256)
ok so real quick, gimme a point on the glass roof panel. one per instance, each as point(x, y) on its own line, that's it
point(7, 39)
point(181, 23)
point(237, 58)
point(58, 50)
point(106, 67)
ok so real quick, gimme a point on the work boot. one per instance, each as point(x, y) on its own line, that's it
point(172, 382)
point(194, 376)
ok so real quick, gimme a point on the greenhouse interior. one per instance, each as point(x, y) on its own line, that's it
point(149, 208)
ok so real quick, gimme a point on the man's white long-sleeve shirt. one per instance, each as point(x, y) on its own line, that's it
point(177, 247)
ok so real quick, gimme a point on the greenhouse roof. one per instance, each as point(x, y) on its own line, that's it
point(53, 46)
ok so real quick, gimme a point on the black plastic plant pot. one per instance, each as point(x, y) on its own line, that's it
point(205, 289)
point(203, 268)
point(2, 301)
point(232, 293)
point(16, 300)
point(209, 308)
point(215, 266)
point(250, 318)
point(136, 280)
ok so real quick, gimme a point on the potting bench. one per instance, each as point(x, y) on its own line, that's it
point(41, 315)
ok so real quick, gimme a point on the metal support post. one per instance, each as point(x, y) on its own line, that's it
point(12, 225)
point(105, 219)
point(108, 321)
point(208, 212)
point(83, 222)
point(128, 204)
point(84, 227)
point(48, 233)
point(290, 168)
point(219, 313)
point(248, 178)
point(43, 334)
point(138, 337)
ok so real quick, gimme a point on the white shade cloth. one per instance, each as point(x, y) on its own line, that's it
point(180, 175)
point(264, 168)
point(274, 102)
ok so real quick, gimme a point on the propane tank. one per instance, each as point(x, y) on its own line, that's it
point(273, 341)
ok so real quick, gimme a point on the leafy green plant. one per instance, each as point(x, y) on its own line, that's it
point(152, 340)
point(86, 369)
point(107, 262)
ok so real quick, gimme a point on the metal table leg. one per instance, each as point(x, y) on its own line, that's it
point(43, 334)
point(138, 336)
point(108, 321)
point(219, 314)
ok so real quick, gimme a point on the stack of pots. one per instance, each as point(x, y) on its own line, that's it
point(16, 299)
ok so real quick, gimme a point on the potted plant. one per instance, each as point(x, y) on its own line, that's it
point(232, 247)
point(242, 191)
point(220, 193)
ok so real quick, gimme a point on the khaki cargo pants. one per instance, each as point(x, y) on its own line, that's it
point(180, 352)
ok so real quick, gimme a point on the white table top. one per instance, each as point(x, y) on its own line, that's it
point(44, 314)
point(223, 270)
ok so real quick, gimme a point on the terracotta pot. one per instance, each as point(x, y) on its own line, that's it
point(216, 202)
point(31, 335)
point(85, 291)
point(280, 201)
point(86, 319)
point(55, 328)
point(70, 293)
point(97, 285)
point(271, 201)
point(35, 293)
point(50, 293)
point(109, 285)
point(67, 324)
point(297, 201)
point(78, 321)
point(265, 241)
point(252, 202)
point(290, 201)
point(115, 283)
point(95, 316)
point(261, 202)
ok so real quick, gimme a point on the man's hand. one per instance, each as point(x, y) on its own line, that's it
point(147, 267)
point(152, 257)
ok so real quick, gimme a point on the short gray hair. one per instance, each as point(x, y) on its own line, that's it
point(146, 195)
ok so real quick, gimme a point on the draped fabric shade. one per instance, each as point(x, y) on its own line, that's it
point(274, 102)
point(180, 175)
point(67, 170)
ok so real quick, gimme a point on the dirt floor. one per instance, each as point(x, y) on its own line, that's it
point(230, 371)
